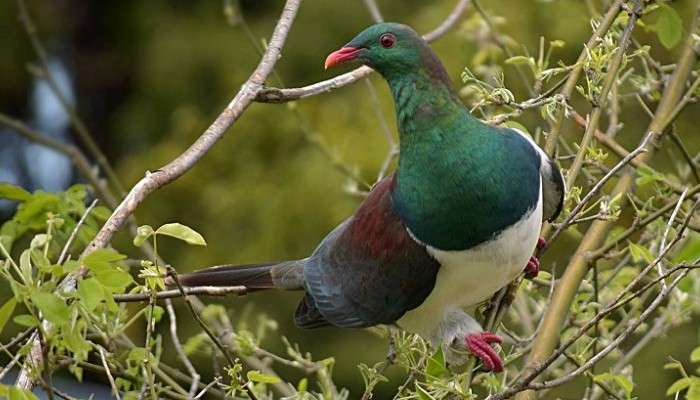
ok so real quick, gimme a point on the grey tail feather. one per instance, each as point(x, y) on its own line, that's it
point(284, 275)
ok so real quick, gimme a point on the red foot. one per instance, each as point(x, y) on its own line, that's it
point(541, 242)
point(479, 344)
point(532, 268)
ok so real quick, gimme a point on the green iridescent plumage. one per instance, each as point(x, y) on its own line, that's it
point(457, 221)
point(460, 181)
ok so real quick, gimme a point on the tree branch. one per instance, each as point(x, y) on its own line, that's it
point(180, 165)
point(277, 95)
point(187, 291)
point(558, 309)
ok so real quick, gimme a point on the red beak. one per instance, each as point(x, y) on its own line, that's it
point(341, 56)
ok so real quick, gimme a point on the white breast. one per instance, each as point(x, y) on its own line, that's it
point(468, 277)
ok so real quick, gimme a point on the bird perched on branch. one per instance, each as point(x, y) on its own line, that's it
point(458, 220)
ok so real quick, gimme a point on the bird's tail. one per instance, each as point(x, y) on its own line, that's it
point(288, 275)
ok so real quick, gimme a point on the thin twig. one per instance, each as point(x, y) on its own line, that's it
point(206, 388)
point(373, 9)
point(662, 245)
point(187, 291)
point(181, 164)
point(108, 372)
point(231, 362)
point(558, 309)
point(599, 185)
point(73, 234)
point(7, 368)
point(179, 350)
point(694, 169)
point(601, 100)
point(81, 162)
point(277, 95)
point(570, 85)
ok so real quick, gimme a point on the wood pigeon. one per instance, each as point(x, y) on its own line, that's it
point(458, 220)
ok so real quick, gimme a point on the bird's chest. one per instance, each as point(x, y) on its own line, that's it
point(468, 277)
point(456, 195)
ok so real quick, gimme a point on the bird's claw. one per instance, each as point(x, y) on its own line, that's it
point(532, 268)
point(479, 344)
point(533, 265)
point(541, 243)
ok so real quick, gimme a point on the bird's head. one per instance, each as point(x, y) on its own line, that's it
point(386, 47)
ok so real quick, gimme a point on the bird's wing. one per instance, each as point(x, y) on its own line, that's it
point(553, 187)
point(369, 270)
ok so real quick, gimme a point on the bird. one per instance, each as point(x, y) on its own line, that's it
point(458, 219)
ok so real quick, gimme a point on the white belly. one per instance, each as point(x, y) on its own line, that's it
point(468, 277)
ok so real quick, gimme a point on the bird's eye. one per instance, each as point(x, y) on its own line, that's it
point(387, 40)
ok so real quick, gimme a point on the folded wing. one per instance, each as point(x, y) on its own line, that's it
point(369, 270)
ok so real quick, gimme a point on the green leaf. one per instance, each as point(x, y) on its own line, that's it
point(90, 293)
point(26, 320)
point(182, 232)
point(114, 278)
point(100, 259)
point(257, 376)
point(436, 366)
point(102, 213)
point(39, 241)
point(620, 380)
point(6, 312)
point(15, 393)
point(302, 385)
point(52, 307)
point(669, 26)
point(12, 192)
point(640, 253)
point(694, 390)
point(143, 232)
point(679, 385)
point(519, 60)
point(517, 126)
point(157, 313)
point(690, 251)
point(694, 356)
point(39, 259)
point(422, 393)
point(75, 342)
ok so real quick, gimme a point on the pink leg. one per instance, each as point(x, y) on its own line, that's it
point(533, 266)
point(541, 243)
point(479, 344)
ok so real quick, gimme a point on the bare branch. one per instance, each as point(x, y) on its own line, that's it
point(179, 350)
point(277, 95)
point(64, 252)
point(81, 162)
point(602, 98)
point(572, 80)
point(373, 9)
point(579, 263)
point(115, 391)
point(187, 291)
point(185, 161)
point(180, 165)
point(599, 185)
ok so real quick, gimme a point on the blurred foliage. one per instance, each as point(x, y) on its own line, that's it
point(150, 76)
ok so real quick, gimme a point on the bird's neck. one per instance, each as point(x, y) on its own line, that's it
point(423, 98)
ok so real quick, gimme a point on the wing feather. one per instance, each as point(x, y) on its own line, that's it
point(369, 270)
point(553, 187)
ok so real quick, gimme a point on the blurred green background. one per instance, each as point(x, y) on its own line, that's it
point(150, 77)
